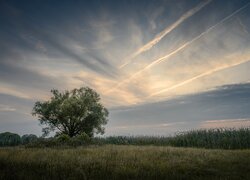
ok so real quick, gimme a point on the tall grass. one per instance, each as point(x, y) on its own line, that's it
point(148, 158)
point(214, 138)
point(205, 138)
point(123, 162)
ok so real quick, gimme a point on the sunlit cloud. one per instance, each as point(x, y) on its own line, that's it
point(188, 43)
point(6, 108)
point(226, 123)
point(167, 50)
point(200, 76)
point(5, 89)
point(167, 30)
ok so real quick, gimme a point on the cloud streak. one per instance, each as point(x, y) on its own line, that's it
point(66, 45)
point(35, 37)
point(225, 123)
point(199, 76)
point(226, 102)
point(166, 31)
point(6, 108)
point(188, 43)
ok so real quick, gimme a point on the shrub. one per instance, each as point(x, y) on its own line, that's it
point(63, 138)
point(82, 139)
point(28, 138)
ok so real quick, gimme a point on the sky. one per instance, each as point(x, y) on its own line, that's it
point(160, 67)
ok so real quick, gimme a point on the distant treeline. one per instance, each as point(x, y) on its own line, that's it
point(206, 138)
point(12, 139)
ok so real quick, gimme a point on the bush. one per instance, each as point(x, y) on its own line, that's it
point(60, 140)
point(82, 139)
point(29, 138)
point(63, 138)
point(43, 143)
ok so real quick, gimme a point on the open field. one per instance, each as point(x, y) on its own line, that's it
point(123, 162)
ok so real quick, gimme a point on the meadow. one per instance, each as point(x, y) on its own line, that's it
point(123, 162)
point(199, 154)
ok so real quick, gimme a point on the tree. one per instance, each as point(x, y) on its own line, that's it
point(72, 112)
point(9, 139)
point(28, 138)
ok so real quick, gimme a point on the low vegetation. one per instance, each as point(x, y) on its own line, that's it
point(123, 162)
point(83, 157)
point(206, 138)
point(211, 139)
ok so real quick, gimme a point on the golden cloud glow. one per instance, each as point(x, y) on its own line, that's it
point(10, 90)
point(166, 31)
point(164, 58)
point(225, 123)
point(201, 75)
point(189, 59)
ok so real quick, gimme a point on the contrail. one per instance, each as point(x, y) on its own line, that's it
point(195, 39)
point(178, 49)
point(197, 77)
point(243, 26)
point(167, 30)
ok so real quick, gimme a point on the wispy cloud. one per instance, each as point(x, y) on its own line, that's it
point(225, 123)
point(166, 31)
point(9, 90)
point(82, 44)
point(225, 120)
point(34, 37)
point(243, 27)
point(6, 108)
point(220, 68)
point(174, 52)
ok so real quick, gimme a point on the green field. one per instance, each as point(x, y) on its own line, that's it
point(123, 162)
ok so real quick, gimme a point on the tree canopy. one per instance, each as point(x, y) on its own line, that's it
point(28, 138)
point(9, 139)
point(72, 112)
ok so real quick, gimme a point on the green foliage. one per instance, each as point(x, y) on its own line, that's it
point(211, 139)
point(61, 141)
point(9, 139)
point(28, 138)
point(63, 138)
point(44, 143)
point(133, 140)
point(123, 162)
point(72, 112)
point(207, 138)
point(81, 139)
point(214, 138)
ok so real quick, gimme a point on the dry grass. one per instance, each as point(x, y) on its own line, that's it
point(124, 162)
